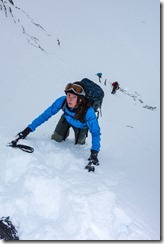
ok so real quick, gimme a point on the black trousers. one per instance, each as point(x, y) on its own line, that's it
point(61, 132)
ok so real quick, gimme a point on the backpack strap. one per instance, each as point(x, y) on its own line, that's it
point(63, 105)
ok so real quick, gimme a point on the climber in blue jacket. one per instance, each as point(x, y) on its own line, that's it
point(78, 114)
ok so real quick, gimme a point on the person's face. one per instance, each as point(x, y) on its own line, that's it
point(71, 100)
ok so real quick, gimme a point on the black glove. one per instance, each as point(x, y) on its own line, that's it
point(24, 133)
point(93, 157)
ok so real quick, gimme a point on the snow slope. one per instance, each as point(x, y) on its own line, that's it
point(48, 194)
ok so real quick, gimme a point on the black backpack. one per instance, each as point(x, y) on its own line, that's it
point(94, 93)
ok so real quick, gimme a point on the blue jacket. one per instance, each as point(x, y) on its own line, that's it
point(90, 120)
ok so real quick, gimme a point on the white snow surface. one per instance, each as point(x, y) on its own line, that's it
point(48, 194)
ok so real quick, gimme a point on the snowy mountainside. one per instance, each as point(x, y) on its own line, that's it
point(25, 24)
point(48, 194)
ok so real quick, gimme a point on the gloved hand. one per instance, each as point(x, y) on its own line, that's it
point(24, 133)
point(93, 157)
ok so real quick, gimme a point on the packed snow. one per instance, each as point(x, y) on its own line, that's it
point(48, 194)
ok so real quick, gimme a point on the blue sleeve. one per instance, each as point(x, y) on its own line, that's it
point(92, 123)
point(50, 111)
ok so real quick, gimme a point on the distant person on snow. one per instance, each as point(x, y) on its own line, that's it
point(115, 87)
point(100, 76)
point(77, 113)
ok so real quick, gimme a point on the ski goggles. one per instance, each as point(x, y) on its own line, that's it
point(77, 89)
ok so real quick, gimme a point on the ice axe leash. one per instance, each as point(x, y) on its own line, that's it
point(24, 148)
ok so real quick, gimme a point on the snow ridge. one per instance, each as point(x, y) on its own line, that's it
point(22, 20)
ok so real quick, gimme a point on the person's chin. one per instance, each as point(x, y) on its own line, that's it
point(70, 105)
